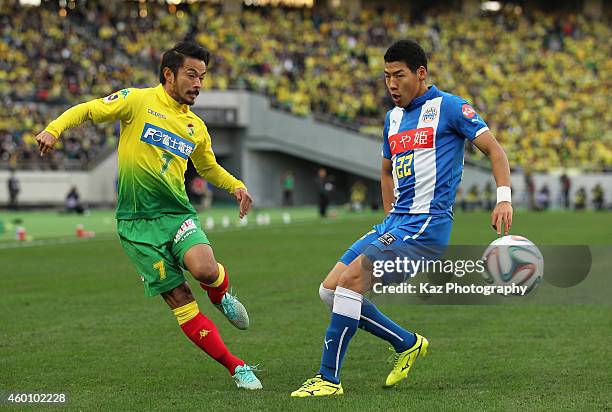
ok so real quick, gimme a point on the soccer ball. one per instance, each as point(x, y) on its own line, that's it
point(513, 260)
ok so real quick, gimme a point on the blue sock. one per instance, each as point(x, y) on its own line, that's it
point(342, 326)
point(375, 322)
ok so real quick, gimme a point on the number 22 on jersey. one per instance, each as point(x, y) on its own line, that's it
point(404, 165)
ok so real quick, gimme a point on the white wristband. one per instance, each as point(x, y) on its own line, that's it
point(504, 194)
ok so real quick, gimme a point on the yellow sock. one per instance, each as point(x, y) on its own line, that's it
point(219, 280)
point(186, 312)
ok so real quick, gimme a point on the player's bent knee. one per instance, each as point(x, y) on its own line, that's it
point(327, 296)
point(331, 280)
point(205, 272)
point(357, 276)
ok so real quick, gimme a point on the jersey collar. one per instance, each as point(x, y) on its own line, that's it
point(169, 101)
point(432, 91)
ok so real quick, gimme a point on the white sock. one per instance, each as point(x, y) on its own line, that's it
point(327, 296)
point(347, 303)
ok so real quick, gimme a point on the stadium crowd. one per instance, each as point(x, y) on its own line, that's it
point(540, 80)
point(78, 148)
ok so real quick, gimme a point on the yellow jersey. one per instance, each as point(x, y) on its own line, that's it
point(158, 137)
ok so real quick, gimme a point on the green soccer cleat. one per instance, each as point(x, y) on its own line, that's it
point(403, 361)
point(318, 387)
point(245, 378)
point(234, 311)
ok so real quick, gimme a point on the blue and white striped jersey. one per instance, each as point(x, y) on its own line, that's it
point(425, 143)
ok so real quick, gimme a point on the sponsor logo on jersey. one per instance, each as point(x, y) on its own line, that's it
point(421, 138)
point(187, 228)
point(167, 141)
point(110, 98)
point(156, 114)
point(468, 111)
point(387, 239)
point(430, 115)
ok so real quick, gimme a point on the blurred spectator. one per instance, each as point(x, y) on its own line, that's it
point(460, 200)
point(374, 205)
point(72, 203)
point(580, 199)
point(116, 187)
point(202, 194)
point(288, 184)
point(566, 185)
point(358, 196)
point(530, 190)
point(473, 198)
point(324, 189)
point(543, 198)
point(490, 196)
point(13, 191)
point(598, 197)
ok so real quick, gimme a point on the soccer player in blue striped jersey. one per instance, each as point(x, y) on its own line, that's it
point(422, 165)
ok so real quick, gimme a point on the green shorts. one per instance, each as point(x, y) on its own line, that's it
point(157, 247)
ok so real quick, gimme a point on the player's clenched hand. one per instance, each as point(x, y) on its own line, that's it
point(46, 141)
point(502, 215)
point(244, 199)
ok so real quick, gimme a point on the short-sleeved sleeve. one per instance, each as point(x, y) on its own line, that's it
point(465, 120)
point(386, 149)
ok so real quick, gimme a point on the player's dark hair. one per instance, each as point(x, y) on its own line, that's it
point(174, 58)
point(409, 52)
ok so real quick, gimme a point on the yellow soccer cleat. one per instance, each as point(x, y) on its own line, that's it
point(403, 361)
point(318, 387)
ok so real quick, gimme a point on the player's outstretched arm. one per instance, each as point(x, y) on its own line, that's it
point(502, 213)
point(116, 106)
point(72, 117)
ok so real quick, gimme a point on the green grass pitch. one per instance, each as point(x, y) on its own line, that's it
point(75, 319)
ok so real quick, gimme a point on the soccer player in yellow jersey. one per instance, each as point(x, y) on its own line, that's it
point(158, 227)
